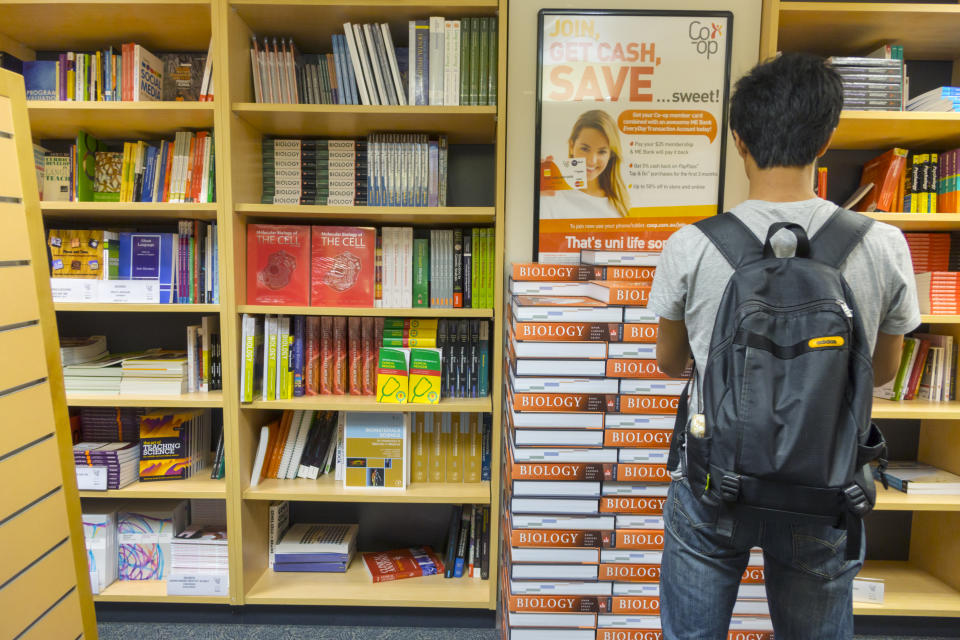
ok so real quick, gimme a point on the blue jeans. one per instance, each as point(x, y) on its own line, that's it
point(809, 584)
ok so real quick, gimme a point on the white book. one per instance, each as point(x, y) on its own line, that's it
point(558, 437)
point(295, 425)
point(557, 419)
point(546, 367)
point(589, 350)
point(554, 571)
point(258, 459)
point(628, 556)
point(640, 315)
point(411, 61)
point(552, 634)
point(642, 589)
point(451, 63)
point(436, 60)
point(577, 506)
point(301, 441)
point(331, 449)
point(532, 587)
point(615, 621)
point(652, 387)
point(365, 63)
point(551, 522)
point(205, 175)
point(148, 75)
point(267, 336)
point(319, 538)
point(408, 267)
point(394, 68)
point(341, 454)
point(355, 61)
point(206, 84)
point(563, 620)
point(375, 66)
point(192, 358)
point(564, 488)
point(655, 489)
point(546, 454)
point(531, 384)
point(644, 456)
point(639, 350)
point(639, 421)
point(639, 521)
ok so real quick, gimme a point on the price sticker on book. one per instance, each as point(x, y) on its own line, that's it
point(92, 478)
point(868, 590)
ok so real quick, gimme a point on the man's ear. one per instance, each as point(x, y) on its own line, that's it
point(741, 146)
point(827, 145)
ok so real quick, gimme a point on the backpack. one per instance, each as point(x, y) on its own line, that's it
point(784, 429)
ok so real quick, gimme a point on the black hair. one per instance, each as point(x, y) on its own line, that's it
point(785, 109)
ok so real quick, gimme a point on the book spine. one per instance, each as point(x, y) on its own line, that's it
point(298, 364)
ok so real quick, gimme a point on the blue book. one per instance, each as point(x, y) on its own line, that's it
point(149, 172)
point(348, 65)
point(300, 558)
point(123, 260)
point(216, 266)
point(297, 357)
point(140, 255)
point(162, 168)
point(421, 63)
point(40, 79)
point(312, 567)
point(167, 241)
point(342, 90)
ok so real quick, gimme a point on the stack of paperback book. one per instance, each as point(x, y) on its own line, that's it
point(939, 99)
point(199, 562)
point(80, 350)
point(871, 84)
point(933, 252)
point(320, 548)
point(589, 419)
point(117, 424)
point(144, 533)
point(100, 538)
point(102, 376)
point(939, 292)
point(174, 444)
point(105, 465)
point(160, 373)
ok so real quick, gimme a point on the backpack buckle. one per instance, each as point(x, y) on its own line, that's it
point(730, 487)
point(856, 500)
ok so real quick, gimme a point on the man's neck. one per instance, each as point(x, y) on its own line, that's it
point(782, 184)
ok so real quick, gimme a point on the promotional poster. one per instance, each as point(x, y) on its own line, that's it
point(632, 127)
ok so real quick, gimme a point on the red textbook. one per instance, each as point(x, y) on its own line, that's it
point(343, 266)
point(384, 566)
point(278, 264)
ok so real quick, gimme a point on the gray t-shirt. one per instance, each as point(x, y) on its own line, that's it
point(691, 276)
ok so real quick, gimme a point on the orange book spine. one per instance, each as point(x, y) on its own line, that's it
point(282, 434)
point(637, 275)
point(637, 539)
point(626, 293)
point(326, 355)
point(340, 355)
point(557, 538)
point(638, 438)
point(648, 605)
point(555, 471)
point(630, 572)
point(753, 575)
point(559, 604)
point(166, 177)
point(636, 472)
point(647, 404)
point(634, 368)
point(645, 333)
point(641, 505)
point(568, 331)
point(822, 182)
point(271, 445)
point(559, 402)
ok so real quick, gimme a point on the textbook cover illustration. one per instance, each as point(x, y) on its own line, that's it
point(377, 447)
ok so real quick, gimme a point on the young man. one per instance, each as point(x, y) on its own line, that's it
point(783, 114)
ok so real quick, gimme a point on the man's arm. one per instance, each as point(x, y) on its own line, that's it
point(673, 348)
point(886, 356)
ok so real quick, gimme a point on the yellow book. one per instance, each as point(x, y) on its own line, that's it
point(420, 448)
point(451, 426)
point(473, 449)
point(424, 376)
point(392, 381)
point(438, 450)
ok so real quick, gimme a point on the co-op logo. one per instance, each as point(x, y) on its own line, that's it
point(705, 38)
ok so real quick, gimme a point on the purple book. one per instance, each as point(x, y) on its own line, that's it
point(312, 567)
point(300, 558)
point(145, 256)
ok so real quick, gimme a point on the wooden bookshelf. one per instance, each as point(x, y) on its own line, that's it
point(462, 125)
point(108, 120)
point(115, 212)
point(366, 311)
point(326, 489)
point(369, 403)
point(209, 399)
point(384, 215)
point(200, 486)
point(238, 125)
point(116, 307)
point(150, 591)
point(929, 583)
point(354, 588)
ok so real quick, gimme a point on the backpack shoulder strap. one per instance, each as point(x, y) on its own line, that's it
point(733, 239)
point(834, 241)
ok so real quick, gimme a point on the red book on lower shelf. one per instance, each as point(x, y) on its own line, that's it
point(384, 566)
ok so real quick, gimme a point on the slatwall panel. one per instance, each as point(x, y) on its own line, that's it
point(40, 562)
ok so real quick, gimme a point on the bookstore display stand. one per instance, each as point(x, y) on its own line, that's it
point(927, 584)
point(44, 585)
point(238, 124)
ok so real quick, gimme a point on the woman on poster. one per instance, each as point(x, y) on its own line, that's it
point(594, 138)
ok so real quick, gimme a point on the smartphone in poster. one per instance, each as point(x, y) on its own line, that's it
point(631, 127)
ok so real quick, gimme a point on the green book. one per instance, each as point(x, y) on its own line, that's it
point(475, 269)
point(492, 63)
point(87, 148)
point(483, 366)
point(474, 61)
point(488, 283)
point(484, 61)
point(421, 272)
point(465, 26)
point(906, 362)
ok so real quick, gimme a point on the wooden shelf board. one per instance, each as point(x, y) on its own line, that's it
point(926, 31)
point(882, 129)
point(940, 319)
point(367, 311)
point(920, 221)
point(893, 500)
point(200, 486)
point(460, 124)
point(311, 24)
point(367, 403)
point(326, 489)
point(150, 591)
point(29, 22)
point(354, 588)
point(915, 410)
point(384, 215)
point(125, 211)
point(210, 399)
point(908, 591)
point(113, 120)
point(136, 308)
